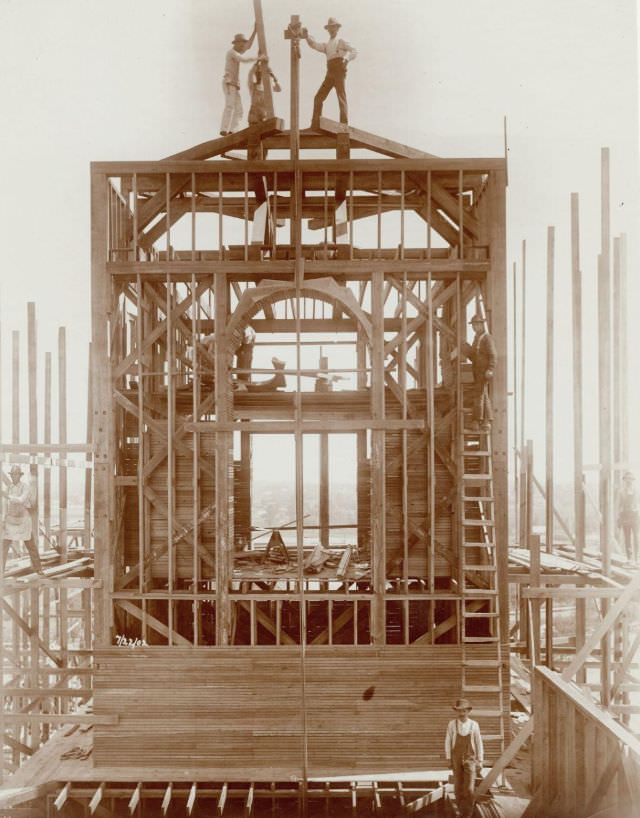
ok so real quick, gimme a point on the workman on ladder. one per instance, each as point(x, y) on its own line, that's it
point(338, 53)
point(482, 354)
point(17, 524)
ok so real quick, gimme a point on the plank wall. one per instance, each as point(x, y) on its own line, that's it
point(240, 711)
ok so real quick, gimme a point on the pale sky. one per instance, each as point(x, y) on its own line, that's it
point(83, 80)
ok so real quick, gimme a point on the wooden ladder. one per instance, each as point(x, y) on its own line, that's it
point(480, 606)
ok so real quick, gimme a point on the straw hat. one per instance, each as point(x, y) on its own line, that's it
point(239, 38)
point(15, 469)
point(332, 22)
point(463, 704)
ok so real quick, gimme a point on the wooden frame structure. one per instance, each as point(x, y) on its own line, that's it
point(197, 245)
point(219, 675)
point(46, 619)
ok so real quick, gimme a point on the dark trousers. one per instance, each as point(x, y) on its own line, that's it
point(335, 78)
point(630, 532)
point(464, 781)
point(31, 548)
point(482, 409)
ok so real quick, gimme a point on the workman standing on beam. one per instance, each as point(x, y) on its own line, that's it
point(628, 516)
point(17, 525)
point(232, 113)
point(339, 53)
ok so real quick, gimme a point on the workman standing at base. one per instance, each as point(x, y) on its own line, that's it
point(464, 751)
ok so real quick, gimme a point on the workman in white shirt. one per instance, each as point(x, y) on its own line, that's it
point(464, 751)
point(17, 525)
point(338, 53)
point(232, 113)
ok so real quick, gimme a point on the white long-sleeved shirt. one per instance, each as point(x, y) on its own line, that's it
point(334, 48)
point(232, 66)
point(464, 728)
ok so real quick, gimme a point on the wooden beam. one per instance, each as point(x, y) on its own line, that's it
point(262, 49)
point(152, 622)
point(506, 758)
point(237, 139)
point(603, 627)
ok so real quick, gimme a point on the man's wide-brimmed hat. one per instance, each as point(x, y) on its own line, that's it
point(462, 704)
point(628, 475)
point(332, 22)
point(239, 38)
point(15, 469)
point(477, 317)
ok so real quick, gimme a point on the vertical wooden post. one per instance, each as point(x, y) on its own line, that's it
point(516, 482)
point(15, 386)
point(102, 409)
point(497, 285)
point(86, 536)
point(364, 496)
point(578, 473)
point(549, 507)
point(47, 439)
point(624, 351)
point(324, 476)
point(62, 439)
point(535, 581)
point(262, 49)
point(378, 517)
point(223, 459)
point(604, 389)
point(33, 416)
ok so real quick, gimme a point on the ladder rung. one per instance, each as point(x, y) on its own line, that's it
point(472, 476)
point(470, 521)
point(488, 713)
point(476, 593)
point(486, 663)
point(481, 688)
point(479, 544)
point(469, 498)
point(475, 453)
point(476, 615)
point(477, 639)
point(493, 737)
point(479, 568)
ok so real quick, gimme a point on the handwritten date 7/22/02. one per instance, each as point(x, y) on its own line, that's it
point(128, 642)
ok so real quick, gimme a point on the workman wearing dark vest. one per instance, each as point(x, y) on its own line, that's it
point(482, 354)
point(628, 514)
point(464, 752)
point(339, 54)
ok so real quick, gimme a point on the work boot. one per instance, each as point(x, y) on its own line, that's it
point(279, 380)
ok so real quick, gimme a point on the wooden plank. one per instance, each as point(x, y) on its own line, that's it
point(308, 427)
point(184, 165)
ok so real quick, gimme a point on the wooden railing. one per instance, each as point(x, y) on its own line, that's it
point(584, 762)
